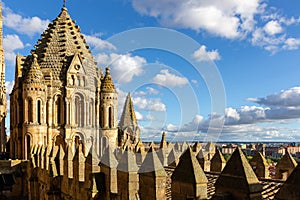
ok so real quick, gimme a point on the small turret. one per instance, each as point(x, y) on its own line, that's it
point(108, 111)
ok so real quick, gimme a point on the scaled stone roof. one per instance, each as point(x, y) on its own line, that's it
point(34, 74)
point(107, 82)
point(60, 41)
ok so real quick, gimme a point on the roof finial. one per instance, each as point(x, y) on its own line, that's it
point(65, 3)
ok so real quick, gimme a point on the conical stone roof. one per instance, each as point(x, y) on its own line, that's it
point(59, 43)
point(152, 164)
point(128, 118)
point(188, 169)
point(34, 74)
point(238, 174)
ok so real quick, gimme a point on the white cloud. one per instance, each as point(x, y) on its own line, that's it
point(291, 43)
point(152, 91)
point(229, 19)
point(149, 104)
point(202, 54)
point(10, 44)
point(167, 79)
point(171, 128)
point(139, 116)
point(98, 43)
point(252, 20)
point(24, 25)
point(273, 28)
point(9, 86)
point(286, 98)
point(123, 67)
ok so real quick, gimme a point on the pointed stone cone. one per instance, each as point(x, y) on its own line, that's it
point(188, 179)
point(285, 166)
point(202, 158)
point(173, 158)
point(109, 159)
point(196, 147)
point(152, 177)
point(291, 188)
point(162, 155)
point(217, 162)
point(109, 166)
point(92, 160)
point(127, 162)
point(128, 180)
point(184, 146)
point(210, 148)
point(260, 165)
point(151, 144)
point(177, 147)
point(163, 142)
point(78, 161)
point(238, 179)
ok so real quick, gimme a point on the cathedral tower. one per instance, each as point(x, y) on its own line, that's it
point(55, 97)
point(3, 109)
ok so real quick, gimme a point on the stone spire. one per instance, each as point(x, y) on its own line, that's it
point(163, 142)
point(3, 109)
point(238, 179)
point(128, 118)
point(188, 179)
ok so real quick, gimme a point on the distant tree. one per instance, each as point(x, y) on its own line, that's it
point(227, 156)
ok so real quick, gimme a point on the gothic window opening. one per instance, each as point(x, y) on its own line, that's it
point(39, 108)
point(30, 110)
point(110, 117)
point(58, 110)
point(102, 117)
point(79, 111)
point(91, 113)
point(28, 145)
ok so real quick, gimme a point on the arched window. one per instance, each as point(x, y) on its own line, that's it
point(79, 110)
point(110, 117)
point(28, 145)
point(102, 117)
point(58, 110)
point(91, 113)
point(30, 110)
point(39, 109)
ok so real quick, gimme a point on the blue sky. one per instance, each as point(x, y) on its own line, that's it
point(202, 64)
